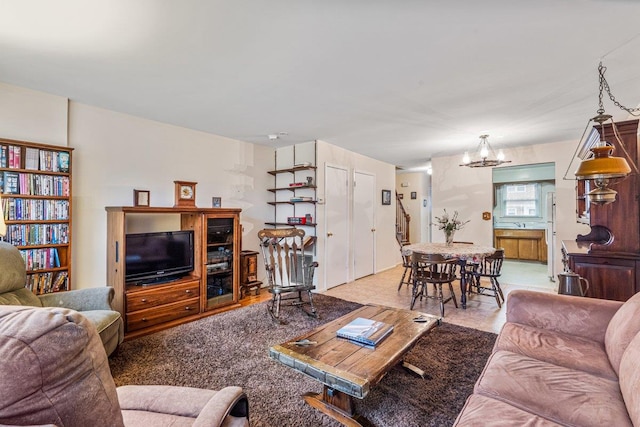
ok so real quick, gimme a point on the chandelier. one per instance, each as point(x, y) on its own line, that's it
point(485, 156)
point(600, 166)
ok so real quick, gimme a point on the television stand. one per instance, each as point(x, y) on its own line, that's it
point(149, 306)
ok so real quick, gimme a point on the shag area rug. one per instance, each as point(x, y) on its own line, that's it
point(231, 348)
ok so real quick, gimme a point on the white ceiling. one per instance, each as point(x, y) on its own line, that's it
point(396, 80)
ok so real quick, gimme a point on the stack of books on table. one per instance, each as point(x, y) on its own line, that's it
point(367, 332)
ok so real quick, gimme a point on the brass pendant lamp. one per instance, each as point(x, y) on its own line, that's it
point(600, 166)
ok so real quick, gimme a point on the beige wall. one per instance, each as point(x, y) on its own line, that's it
point(29, 115)
point(116, 153)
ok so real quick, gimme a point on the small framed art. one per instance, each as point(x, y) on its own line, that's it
point(216, 202)
point(141, 198)
point(414, 195)
point(386, 197)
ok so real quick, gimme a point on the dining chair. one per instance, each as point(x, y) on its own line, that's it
point(406, 272)
point(490, 267)
point(289, 269)
point(433, 269)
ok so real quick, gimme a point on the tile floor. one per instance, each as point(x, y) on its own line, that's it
point(482, 312)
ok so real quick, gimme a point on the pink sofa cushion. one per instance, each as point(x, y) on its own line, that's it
point(559, 394)
point(556, 347)
point(624, 325)
point(630, 379)
point(482, 411)
point(54, 369)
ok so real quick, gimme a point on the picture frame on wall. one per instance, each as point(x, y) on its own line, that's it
point(386, 197)
point(216, 202)
point(141, 197)
point(414, 195)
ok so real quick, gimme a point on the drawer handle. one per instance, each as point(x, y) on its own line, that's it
point(187, 308)
point(143, 300)
point(144, 319)
point(188, 291)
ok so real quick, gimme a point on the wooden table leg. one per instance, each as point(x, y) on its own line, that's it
point(463, 283)
point(338, 405)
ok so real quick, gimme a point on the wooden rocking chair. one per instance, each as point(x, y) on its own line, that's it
point(289, 269)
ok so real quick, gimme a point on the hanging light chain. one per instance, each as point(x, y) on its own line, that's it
point(604, 85)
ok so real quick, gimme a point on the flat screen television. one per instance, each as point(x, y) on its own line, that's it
point(158, 257)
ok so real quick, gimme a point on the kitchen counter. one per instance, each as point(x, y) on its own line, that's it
point(522, 243)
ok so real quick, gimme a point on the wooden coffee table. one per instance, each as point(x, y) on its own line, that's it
point(349, 370)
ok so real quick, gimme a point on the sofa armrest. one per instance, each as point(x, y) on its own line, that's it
point(80, 299)
point(580, 316)
point(207, 407)
point(228, 401)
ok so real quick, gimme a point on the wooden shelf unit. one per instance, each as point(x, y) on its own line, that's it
point(301, 173)
point(609, 256)
point(36, 187)
point(147, 309)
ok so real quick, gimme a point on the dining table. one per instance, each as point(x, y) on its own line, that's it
point(464, 252)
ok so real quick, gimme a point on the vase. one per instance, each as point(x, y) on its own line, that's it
point(448, 235)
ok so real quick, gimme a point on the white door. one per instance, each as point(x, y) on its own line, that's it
point(363, 225)
point(336, 268)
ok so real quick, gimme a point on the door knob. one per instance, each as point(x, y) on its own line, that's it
point(329, 234)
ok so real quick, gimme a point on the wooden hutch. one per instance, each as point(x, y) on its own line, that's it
point(609, 256)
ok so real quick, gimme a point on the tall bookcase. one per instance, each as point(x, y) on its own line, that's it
point(35, 182)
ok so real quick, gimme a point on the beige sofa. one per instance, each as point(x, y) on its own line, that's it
point(54, 371)
point(561, 360)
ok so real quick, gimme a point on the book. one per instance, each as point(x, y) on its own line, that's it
point(368, 332)
point(32, 157)
point(11, 180)
point(63, 159)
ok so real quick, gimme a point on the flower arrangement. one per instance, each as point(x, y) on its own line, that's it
point(449, 225)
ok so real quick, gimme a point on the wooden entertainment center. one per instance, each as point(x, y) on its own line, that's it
point(212, 286)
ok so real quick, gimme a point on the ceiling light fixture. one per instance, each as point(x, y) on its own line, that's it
point(485, 155)
point(599, 165)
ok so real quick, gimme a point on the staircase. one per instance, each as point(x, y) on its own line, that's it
point(402, 223)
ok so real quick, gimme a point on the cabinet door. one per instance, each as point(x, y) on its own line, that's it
point(510, 247)
point(613, 279)
point(220, 261)
point(528, 249)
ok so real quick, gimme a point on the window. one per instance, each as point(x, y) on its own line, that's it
point(520, 200)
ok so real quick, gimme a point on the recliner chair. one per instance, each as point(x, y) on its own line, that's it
point(55, 372)
point(93, 303)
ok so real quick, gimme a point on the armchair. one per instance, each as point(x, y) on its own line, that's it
point(54, 372)
point(93, 303)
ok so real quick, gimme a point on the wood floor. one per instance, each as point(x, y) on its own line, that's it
point(482, 312)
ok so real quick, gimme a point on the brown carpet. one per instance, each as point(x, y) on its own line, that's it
point(232, 349)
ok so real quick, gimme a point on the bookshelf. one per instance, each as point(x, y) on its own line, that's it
point(294, 190)
point(35, 183)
